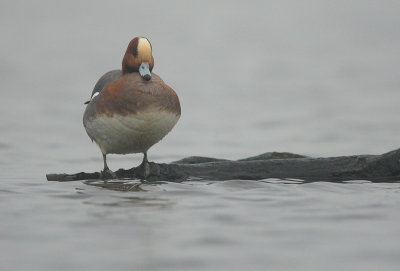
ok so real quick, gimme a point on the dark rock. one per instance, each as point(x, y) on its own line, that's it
point(378, 168)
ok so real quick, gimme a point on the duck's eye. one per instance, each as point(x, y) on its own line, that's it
point(134, 51)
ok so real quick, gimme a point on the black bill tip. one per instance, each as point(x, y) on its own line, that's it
point(147, 77)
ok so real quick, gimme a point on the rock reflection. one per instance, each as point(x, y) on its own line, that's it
point(118, 185)
point(123, 185)
point(142, 197)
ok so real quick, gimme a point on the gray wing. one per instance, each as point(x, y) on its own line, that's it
point(107, 78)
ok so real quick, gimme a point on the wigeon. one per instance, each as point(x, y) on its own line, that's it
point(131, 109)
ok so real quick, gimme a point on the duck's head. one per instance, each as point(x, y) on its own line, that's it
point(138, 58)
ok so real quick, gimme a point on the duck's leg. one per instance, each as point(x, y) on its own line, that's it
point(145, 158)
point(106, 171)
point(144, 167)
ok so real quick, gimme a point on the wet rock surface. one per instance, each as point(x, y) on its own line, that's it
point(378, 168)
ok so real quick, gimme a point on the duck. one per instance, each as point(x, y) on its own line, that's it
point(131, 109)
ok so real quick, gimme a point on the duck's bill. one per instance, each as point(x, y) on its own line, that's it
point(144, 71)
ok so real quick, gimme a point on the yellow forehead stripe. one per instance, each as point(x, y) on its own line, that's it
point(144, 50)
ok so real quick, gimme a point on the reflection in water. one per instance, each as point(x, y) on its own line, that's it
point(131, 202)
point(118, 185)
point(142, 199)
point(124, 185)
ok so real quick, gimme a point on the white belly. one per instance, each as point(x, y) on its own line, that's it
point(131, 133)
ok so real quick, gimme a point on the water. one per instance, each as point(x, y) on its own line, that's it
point(312, 77)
